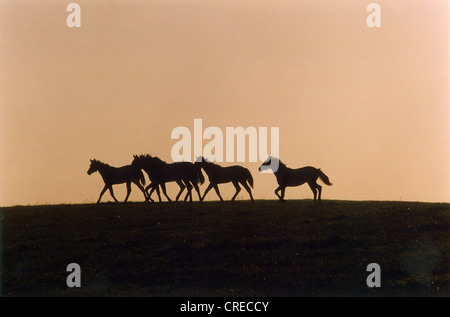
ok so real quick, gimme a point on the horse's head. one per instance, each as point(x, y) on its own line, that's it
point(140, 160)
point(137, 161)
point(272, 163)
point(93, 167)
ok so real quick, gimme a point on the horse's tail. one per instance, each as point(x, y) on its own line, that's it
point(200, 177)
point(141, 177)
point(324, 178)
point(250, 178)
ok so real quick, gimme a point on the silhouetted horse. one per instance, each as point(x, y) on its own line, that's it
point(295, 177)
point(185, 174)
point(118, 175)
point(219, 175)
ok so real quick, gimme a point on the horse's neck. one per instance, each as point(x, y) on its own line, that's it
point(281, 168)
point(161, 162)
point(210, 167)
point(158, 164)
point(105, 169)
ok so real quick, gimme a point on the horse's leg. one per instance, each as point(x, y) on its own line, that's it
point(112, 193)
point(216, 188)
point(248, 189)
point(141, 188)
point(238, 189)
point(313, 188)
point(189, 188)
point(182, 186)
point(136, 182)
point(102, 192)
point(282, 193)
point(277, 190)
point(128, 191)
point(207, 190)
point(163, 187)
point(189, 193)
point(149, 195)
point(319, 188)
point(154, 187)
point(197, 189)
point(157, 192)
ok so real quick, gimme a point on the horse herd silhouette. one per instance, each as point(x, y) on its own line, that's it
point(189, 175)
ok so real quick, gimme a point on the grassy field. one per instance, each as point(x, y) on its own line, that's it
point(242, 248)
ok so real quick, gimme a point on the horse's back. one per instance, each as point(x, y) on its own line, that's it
point(127, 169)
point(236, 169)
point(240, 172)
point(224, 174)
point(183, 167)
point(297, 176)
point(123, 174)
point(307, 170)
point(179, 170)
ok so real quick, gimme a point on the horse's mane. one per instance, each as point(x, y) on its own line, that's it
point(281, 163)
point(201, 158)
point(99, 162)
point(154, 158)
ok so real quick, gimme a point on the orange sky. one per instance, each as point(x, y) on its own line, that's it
point(369, 106)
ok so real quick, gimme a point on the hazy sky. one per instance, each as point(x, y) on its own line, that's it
point(369, 106)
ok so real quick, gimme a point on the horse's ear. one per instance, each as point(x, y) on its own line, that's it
point(92, 161)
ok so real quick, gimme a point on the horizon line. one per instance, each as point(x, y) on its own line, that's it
point(226, 201)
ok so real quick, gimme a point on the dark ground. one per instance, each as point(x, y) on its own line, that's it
point(242, 248)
